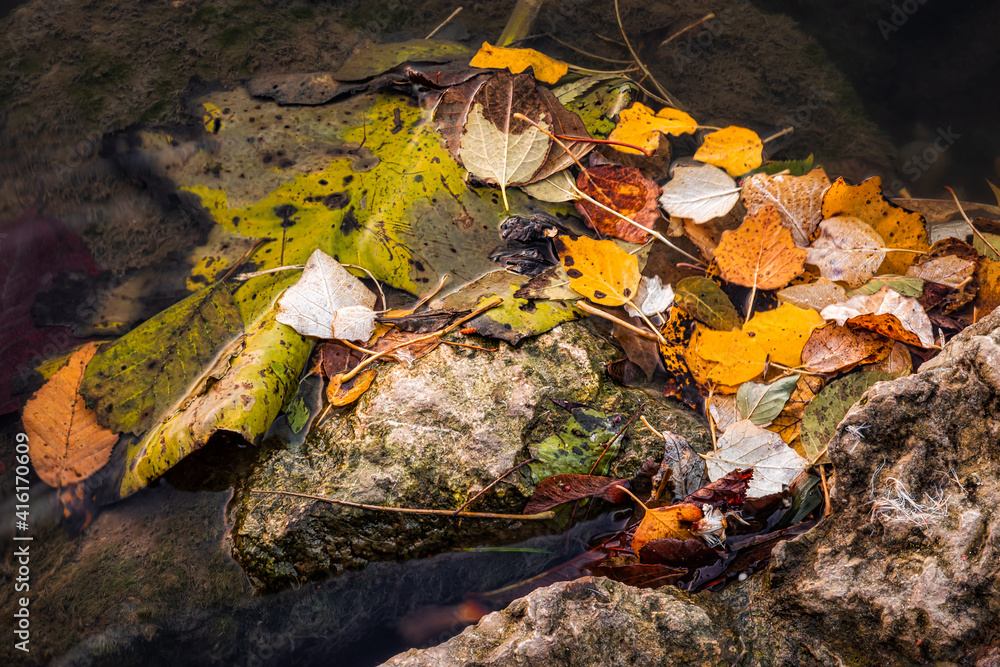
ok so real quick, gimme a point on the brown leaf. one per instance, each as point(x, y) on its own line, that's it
point(898, 361)
point(788, 424)
point(728, 491)
point(640, 576)
point(689, 553)
point(623, 189)
point(847, 250)
point(953, 263)
point(452, 110)
point(835, 348)
point(761, 253)
point(567, 124)
point(798, 200)
point(340, 393)
point(885, 312)
point(559, 489)
point(67, 443)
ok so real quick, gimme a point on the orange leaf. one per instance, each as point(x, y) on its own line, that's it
point(622, 189)
point(340, 394)
point(761, 253)
point(599, 270)
point(676, 521)
point(899, 228)
point(835, 348)
point(735, 149)
point(988, 296)
point(67, 443)
point(546, 69)
point(798, 199)
point(638, 126)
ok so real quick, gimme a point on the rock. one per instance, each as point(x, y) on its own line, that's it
point(431, 436)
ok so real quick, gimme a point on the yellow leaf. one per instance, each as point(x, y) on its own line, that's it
point(339, 395)
point(546, 69)
point(899, 228)
point(761, 253)
point(638, 126)
point(735, 149)
point(676, 522)
point(599, 270)
point(783, 332)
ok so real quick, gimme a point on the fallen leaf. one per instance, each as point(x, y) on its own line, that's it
point(705, 301)
point(672, 552)
point(988, 296)
point(898, 228)
point(559, 489)
point(339, 393)
point(577, 447)
point(906, 286)
point(639, 126)
point(817, 295)
point(652, 298)
point(847, 250)
point(674, 522)
point(723, 410)
point(898, 362)
point(328, 302)
point(788, 424)
point(546, 69)
point(735, 149)
point(555, 188)
point(369, 59)
point(728, 492)
point(953, 263)
point(622, 189)
point(761, 403)
point(639, 575)
point(819, 423)
point(67, 443)
point(599, 270)
point(761, 253)
point(887, 313)
point(798, 199)
point(746, 445)
point(700, 193)
point(836, 348)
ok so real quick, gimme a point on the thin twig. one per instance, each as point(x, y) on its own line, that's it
point(827, 511)
point(586, 307)
point(649, 324)
point(443, 23)
point(277, 269)
point(779, 133)
point(974, 230)
point(635, 57)
point(650, 427)
point(445, 278)
point(492, 484)
point(581, 51)
point(471, 347)
point(684, 30)
point(711, 420)
point(247, 255)
point(541, 516)
point(587, 70)
point(617, 435)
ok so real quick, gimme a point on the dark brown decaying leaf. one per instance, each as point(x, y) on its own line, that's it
point(453, 109)
point(567, 124)
point(677, 553)
point(729, 491)
point(559, 489)
point(640, 576)
point(623, 189)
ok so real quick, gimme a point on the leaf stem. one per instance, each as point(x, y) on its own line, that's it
point(685, 29)
point(443, 23)
point(586, 307)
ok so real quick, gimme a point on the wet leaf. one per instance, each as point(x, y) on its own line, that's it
point(887, 313)
point(746, 445)
point(638, 575)
point(897, 227)
point(328, 302)
point(788, 424)
point(671, 552)
point(819, 423)
point(906, 286)
point(577, 447)
point(67, 443)
point(652, 298)
point(798, 200)
point(599, 270)
point(369, 59)
point(622, 189)
point(761, 403)
point(597, 99)
point(340, 393)
point(259, 381)
point(555, 188)
point(705, 301)
point(639, 126)
point(761, 253)
point(673, 522)
point(545, 68)
point(132, 382)
point(836, 348)
point(728, 492)
point(559, 489)
point(735, 149)
point(847, 250)
point(700, 193)
point(817, 295)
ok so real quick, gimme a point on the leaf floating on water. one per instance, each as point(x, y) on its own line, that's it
point(67, 443)
point(798, 199)
point(328, 302)
point(846, 250)
point(735, 149)
point(746, 445)
point(559, 489)
point(761, 403)
point(674, 522)
point(700, 193)
point(761, 254)
point(639, 126)
point(546, 69)
point(599, 270)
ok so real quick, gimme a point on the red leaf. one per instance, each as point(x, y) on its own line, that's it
point(623, 189)
point(689, 553)
point(640, 576)
point(728, 491)
point(559, 489)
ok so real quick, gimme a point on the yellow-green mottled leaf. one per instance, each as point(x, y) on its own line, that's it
point(131, 383)
point(369, 59)
point(597, 100)
point(577, 447)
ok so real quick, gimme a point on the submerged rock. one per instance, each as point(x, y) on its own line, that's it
point(432, 435)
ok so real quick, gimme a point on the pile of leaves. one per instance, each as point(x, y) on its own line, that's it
point(759, 293)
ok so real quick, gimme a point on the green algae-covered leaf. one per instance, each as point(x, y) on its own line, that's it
point(597, 100)
point(577, 447)
point(705, 301)
point(131, 383)
point(761, 403)
point(369, 59)
point(261, 378)
point(794, 167)
point(819, 423)
point(514, 319)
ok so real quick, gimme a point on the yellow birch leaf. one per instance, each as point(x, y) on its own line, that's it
point(638, 126)
point(761, 253)
point(673, 522)
point(546, 69)
point(899, 228)
point(599, 270)
point(735, 149)
point(339, 395)
point(783, 332)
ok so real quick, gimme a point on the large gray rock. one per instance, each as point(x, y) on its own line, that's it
point(432, 435)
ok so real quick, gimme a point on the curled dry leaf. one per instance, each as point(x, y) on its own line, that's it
point(847, 250)
point(727, 492)
point(746, 445)
point(836, 348)
point(898, 228)
point(559, 489)
point(761, 253)
point(700, 193)
point(798, 199)
point(546, 69)
point(638, 126)
point(816, 295)
point(887, 313)
point(735, 149)
point(67, 443)
point(622, 189)
point(599, 270)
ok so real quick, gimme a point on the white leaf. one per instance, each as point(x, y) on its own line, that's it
point(500, 157)
point(700, 193)
point(746, 445)
point(723, 410)
point(313, 305)
point(886, 301)
point(847, 249)
point(651, 297)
